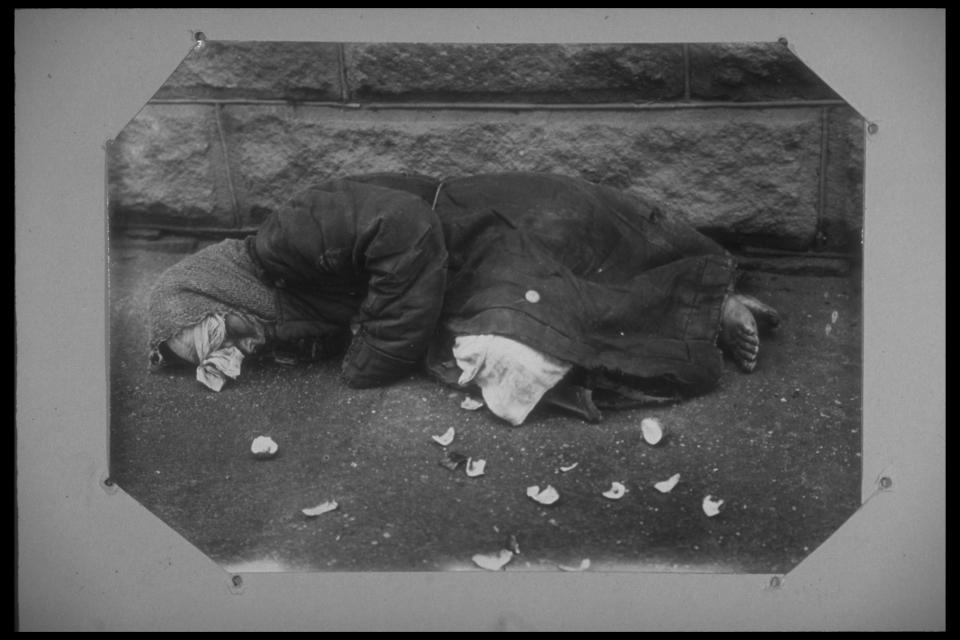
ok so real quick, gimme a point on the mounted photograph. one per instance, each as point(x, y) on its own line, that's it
point(489, 307)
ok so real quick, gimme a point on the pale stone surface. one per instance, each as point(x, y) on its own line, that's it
point(167, 167)
point(752, 71)
point(268, 70)
point(514, 72)
point(842, 218)
point(753, 173)
point(739, 174)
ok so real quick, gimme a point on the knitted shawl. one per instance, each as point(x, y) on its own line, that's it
point(221, 278)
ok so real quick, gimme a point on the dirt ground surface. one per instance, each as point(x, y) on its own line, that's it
point(781, 447)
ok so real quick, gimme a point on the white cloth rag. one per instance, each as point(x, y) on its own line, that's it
point(201, 344)
point(512, 376)
point(218, 366)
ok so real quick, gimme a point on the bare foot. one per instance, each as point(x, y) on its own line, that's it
point(765, 315)
point(738, 333)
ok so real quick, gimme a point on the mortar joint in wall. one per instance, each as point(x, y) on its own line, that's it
point(820, 239)
point(225, 150)
point(342, 63)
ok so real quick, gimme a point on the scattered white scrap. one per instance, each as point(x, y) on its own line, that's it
point(264, 447)
point(569, 467)
point(652, 430)
point(834, 317)
point(711, 506)
point(446, 438)
point(493, 561)
point(532, 296)
point(583, 566)
point(471, 404)
point(320, 509)
point(666, 486)
point(549, 495)
point(616, 491)
point(475, 467)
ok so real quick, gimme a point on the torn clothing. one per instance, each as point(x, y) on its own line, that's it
point(579, 273)
point(586, 274)
point(582, 273)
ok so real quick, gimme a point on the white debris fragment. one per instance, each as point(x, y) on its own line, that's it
point(446, 438)
point(493, 561)
point(264, 447)
point(583, 566)
point(616, 491)
point(828, 329)
point(475, 467)
point(320, 509)
point(532, 296)
point(549, 495)
point(711, 506)
point(652, 430)
point(834, 317)
point(666, 486)
point(471, 404)
point(569, 467)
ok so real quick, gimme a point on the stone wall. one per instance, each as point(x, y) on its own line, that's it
point(742, 140)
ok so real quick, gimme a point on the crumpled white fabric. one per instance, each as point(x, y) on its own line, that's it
point(512, 376)
point(201, 344)
point(218, 366)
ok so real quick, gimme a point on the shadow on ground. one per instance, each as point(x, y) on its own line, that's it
point(781, 447)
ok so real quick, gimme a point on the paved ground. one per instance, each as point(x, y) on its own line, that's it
point(781, 447)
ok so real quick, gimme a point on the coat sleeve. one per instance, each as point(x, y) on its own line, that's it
point(405, 257)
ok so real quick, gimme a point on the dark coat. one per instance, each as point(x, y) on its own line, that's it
point(345, 253)
point(588, 274)
point(585, 273)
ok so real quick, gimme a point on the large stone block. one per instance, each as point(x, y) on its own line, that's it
point(167, 167)
point(841, 221)
point(744, 173)
point(548, 73)
point(266, 70)
point(752, 71)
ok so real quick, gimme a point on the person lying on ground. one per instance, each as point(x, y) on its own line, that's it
point(339, 256)
point(527, 286)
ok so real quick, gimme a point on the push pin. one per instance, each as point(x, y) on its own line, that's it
point(109, 484)
point(775, 582)
point(885, 482)
point(782, 40)
point(872, 128)
point(236, 583)
point(201, 38)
